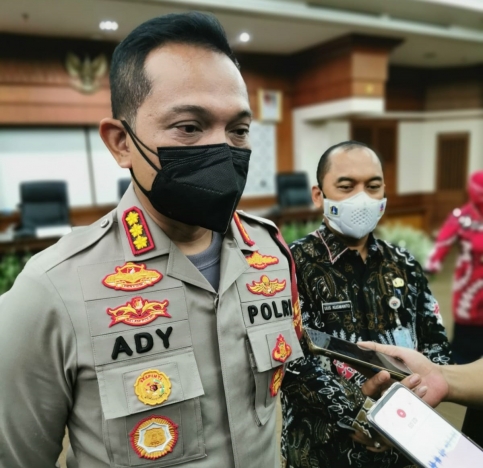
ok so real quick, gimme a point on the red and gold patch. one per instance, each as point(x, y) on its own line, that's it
point(132, 277)
point(137, 231)
point(266, 286)
point(138, 312)
point(243, 231)
point(282, 350)
point(154, 437)
point(259, 261)
point(152, 387)
point(276, 381)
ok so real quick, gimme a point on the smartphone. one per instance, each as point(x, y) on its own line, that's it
point(330, 346)
point(420, 432)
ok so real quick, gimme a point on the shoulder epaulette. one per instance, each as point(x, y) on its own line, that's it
point(257, 219)
point(73, 243)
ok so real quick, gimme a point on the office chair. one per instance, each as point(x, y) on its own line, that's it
point(122, 185)
point(293, 189)
point(42, 204)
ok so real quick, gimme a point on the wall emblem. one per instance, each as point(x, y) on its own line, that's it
point(259, 261)
point(132, 277)
point(138, 312)
point(282, 350)
point(154, 437)
point(266, 286)
point(86, 75)
point(152, 387)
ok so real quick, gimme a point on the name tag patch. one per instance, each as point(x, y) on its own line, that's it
point(344, 306)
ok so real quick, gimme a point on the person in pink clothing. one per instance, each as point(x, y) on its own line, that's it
point(465, 227)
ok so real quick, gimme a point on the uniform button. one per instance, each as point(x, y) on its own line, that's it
point(104, 223)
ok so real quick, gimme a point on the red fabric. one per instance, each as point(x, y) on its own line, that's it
point(464, 226)
point(475, 190)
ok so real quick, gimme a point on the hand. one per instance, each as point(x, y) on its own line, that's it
point(433, 387)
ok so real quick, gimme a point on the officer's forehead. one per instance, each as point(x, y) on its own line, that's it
point(354, 159)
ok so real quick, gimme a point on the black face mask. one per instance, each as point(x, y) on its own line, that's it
point(197, 185)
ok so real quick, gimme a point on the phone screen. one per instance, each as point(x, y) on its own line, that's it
point(421, 432)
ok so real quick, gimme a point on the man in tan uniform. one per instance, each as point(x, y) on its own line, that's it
point(160, 333)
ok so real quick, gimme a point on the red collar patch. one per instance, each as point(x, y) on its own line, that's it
point(266, 286)
point(138, 312)
point(137, 231)
point(243, 231)
point(282, 350)
point(259, 261)
point(132, 277)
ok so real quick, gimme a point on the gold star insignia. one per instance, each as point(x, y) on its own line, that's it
point(132, 218)
point(141, 242)
point(136, 230)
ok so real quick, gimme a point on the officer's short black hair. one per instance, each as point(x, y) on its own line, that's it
point(324, 161)
point(128, 81)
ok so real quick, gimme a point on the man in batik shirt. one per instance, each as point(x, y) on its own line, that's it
point(355, 287)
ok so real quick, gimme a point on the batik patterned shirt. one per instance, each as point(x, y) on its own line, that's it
point(349, 299)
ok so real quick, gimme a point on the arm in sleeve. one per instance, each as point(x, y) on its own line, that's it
point(309, 386)
point(447, 236)
point(37, 345)
point(430, 332)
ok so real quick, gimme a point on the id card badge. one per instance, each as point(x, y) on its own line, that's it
point(402, 337)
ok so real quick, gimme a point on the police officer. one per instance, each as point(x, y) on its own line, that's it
point(160, 333)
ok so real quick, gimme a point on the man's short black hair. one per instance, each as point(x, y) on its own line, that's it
point(324, 161)
point(129, 84)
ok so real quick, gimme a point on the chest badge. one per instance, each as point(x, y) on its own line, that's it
point(132, 277)
point(276, 381)
point(152, 387)
point(137, 231)
point(138, 312)
point(259, 261)
point(394, 303)
point(154, 437)
point(266, 286)
point(282, 350)
point(398, 282)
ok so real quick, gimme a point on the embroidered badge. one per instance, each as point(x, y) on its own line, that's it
point(154, 437)
point(266, 286)
point(137, 231)
point(398, 282)
point(138, 311)
point(152, 387)
point(259, 261)
point(242, 230)
point(132, 277)
point(282, 350)
point(276, 381)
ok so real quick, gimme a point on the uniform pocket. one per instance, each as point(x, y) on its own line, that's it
point(270, 347)
point(151, 410)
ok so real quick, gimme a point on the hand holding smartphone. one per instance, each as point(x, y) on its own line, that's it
point(345, 351)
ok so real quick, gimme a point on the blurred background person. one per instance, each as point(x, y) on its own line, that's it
point(464, 227)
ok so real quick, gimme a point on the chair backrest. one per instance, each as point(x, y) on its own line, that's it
point(122, 185)
point(293, 189)
point(43, 204)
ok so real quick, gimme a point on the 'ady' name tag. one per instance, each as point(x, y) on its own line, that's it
point(344, 306)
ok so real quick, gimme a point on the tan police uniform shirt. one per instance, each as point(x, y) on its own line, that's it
point(116, 334)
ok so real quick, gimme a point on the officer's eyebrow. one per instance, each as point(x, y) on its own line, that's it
point(350, 179)
point(204, 113)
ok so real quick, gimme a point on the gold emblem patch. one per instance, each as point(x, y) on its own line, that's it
point(152, 387)
point(282, 350)
point(138, 312)
point(154, 437)
point(398, 282)
point(259, 261)
point(132, 277)
point(266, 286)
point(137, 231)
point(276, 381)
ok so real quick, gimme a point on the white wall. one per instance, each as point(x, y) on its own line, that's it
point(43, 154)
point(417, 151)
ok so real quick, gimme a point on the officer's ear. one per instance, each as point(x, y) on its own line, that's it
point(115, 138)
point(317, 196)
